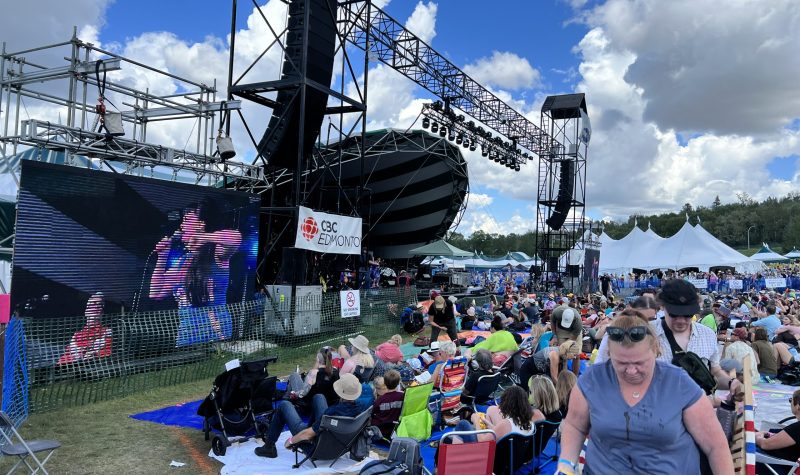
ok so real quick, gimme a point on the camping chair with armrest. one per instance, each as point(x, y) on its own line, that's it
point(470, 458)
point(512, 452)
point(451, 382)
point(415, 418)
point(363, 374)
point(769, 460)
point(510, 368)
point(336, 436)
point(485, 390)
point(545, 430)
point(24, 449)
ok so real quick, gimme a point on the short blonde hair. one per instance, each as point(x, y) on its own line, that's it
point(396, 339)
point(569, 349)
point(543, 394)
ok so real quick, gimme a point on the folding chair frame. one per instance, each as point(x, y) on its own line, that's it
point(38, 446)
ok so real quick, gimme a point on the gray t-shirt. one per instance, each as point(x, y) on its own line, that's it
point(649, 437)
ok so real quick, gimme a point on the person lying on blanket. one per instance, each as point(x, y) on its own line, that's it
point(348, 388)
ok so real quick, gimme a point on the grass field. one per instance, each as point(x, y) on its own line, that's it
point(101, 438)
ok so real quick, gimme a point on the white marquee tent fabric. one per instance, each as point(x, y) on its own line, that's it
point(793, 254)
point(691, 246)
point(765, 254)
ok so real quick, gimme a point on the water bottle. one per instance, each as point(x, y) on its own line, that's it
point(794, 353)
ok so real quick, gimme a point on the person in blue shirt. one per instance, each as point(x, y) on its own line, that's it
point(348, 388)
point(770, 323)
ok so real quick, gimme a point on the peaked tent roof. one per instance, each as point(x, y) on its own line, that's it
point(793, 254)
point(439, 248)
point(765, 254)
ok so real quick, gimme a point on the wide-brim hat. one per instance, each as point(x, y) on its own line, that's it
point(347, 387)
point(679, 297)
point(360, 343)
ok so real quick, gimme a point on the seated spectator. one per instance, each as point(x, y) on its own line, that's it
point(360, 355)
point(318, 380)
point(518, 322)
point(447, 350)
point(514, 414)
point(483, 361)
point(549, 361)
point(564, 384)
point(501, 342)
point(389, 351)
point(599, 328)
point(536, 332)
point(784, 444)
point(785, 345)
point(389, 403)
point(740, 349)
point(347, 388)
point(531, 311)
point(765, 353)
point(468, 320)
point(544, 399)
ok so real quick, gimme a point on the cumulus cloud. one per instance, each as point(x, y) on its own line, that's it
point(480, 200)
point(483, 220)
point(707, 67)
point(505, 70)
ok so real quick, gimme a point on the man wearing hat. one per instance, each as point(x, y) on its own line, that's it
point(441, 316)
point(680, 303)
point(346, 387)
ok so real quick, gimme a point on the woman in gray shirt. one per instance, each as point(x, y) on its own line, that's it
point(640, 415)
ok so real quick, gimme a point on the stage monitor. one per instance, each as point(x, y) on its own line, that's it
point(128, 244)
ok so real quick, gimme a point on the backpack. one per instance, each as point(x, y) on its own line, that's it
point(413, 323)
point(691, 363)
point(404, 459)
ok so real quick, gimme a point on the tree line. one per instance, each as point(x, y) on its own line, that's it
point(775, 221)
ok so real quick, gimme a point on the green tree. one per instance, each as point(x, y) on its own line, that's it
point(716, 202)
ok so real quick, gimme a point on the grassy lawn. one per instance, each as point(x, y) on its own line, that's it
point(101, 438)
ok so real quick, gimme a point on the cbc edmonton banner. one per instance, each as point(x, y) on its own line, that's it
point(329, 233)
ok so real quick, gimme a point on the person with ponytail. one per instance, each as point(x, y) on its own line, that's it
point(318, 380)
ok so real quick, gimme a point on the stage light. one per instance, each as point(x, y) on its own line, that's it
point(472, 146)
point(434, 127)
point(437, 106)
point(459, 139)
point(426, 122)
point(465, 143)
point(451, 135)
point(484, 152)
point(442, 131)
point(516, 168)
point(225, 146)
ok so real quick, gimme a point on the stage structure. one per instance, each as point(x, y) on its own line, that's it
point(306, 92)
point(561, 202)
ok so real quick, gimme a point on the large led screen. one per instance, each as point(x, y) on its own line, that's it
point(112, 242)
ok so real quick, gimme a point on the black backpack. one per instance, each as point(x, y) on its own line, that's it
point(404, 459)
point(414, 324)
point(691, 363)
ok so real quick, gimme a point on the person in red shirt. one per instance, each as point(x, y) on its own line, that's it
point(388, 405)
point(93, 340)
point(389, 351)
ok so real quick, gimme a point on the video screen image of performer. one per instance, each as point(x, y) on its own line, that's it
point(93, 340)
point(193, 268)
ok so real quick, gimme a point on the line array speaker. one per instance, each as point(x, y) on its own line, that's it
point(280, 142)
point(564, 198)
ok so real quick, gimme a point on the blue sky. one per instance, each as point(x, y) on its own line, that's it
point(681, 110)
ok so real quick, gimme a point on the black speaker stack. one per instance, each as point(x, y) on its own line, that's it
point(566, 185)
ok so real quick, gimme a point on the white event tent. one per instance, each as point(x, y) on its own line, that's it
point(765, 254)
point(691, 246)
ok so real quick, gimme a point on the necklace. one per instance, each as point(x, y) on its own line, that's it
point(636, 394)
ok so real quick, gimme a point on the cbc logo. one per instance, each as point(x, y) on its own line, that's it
point(329, 226)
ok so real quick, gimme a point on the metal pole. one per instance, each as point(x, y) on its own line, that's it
point(230, 63)
point(748, 236)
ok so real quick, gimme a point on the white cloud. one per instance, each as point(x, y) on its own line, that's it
point(422, 21)
point(483, 220)
point(479, 200)
point(504, 70)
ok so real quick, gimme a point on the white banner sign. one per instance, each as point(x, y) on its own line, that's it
point(699, 283)
point(736, 284)
point(329, 233)
point(775, 282)
point(350, 302)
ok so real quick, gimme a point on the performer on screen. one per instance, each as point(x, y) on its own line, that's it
point(192, 266)
point(93, 340)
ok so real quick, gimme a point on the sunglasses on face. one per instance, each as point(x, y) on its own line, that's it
point(682, 316)
point(634, 334)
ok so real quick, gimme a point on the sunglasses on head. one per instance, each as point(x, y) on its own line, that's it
point(634, 334)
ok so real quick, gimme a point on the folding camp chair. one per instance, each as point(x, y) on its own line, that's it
point(415, 418)
point(510, 368)
point(512, 452)
point(768, 460)
point(484, 390)
point(364, 375)
point(451, 382)
point(23, 449)
point(545, 430)
point(471, 458)
point(337, 435)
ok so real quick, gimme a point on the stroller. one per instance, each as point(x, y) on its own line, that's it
point(240, 402)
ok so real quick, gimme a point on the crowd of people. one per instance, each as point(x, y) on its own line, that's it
point(634, 396)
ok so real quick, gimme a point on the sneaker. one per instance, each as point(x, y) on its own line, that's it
point(267, 450)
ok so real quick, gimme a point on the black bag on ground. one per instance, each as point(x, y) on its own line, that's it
point(414, 324)
point(691, 363)
point(404, 459)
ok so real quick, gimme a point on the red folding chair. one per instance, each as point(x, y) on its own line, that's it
point(471, 458)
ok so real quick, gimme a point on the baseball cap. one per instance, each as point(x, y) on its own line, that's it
point(679, 297)
point(439, 302)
